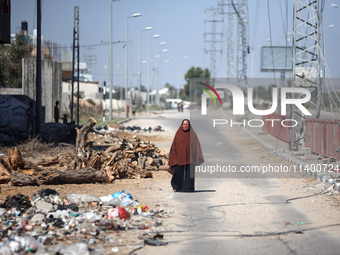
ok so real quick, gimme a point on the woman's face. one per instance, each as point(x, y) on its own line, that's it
point(185, 125)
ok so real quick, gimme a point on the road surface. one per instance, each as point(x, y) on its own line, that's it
point(236, 214)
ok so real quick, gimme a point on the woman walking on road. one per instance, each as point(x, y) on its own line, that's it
point(185, 154)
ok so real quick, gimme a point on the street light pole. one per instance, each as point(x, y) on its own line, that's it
point(157, 77)
point(178, 75)
point(110, 114)
point(127, 58)
point(178, 70)
point(149, 70)
point(140, 65)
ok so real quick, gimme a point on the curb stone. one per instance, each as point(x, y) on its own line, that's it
point(123, 121)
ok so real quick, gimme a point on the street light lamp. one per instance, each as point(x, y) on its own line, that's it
point(140, 65)
point(127, 57)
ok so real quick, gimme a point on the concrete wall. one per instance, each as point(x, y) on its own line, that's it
point(116, 105)
point(51, 75)
point(10, 91)
point(86, 89)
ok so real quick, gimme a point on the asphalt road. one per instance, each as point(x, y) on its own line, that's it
point(236, 214)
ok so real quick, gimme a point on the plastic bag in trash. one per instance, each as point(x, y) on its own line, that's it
point(17, 201)
point(127, 201)
point(57, 222)
point(105, 199)
point(75, 249)
point(58, 214)
point(106, 224)
point(123, 214)
point(21, 245)
point(47, 192)
point(113, 213)
point(82, 198)
point(122, 193)
point(91, 216)
point(114, 202)
point(72, 207)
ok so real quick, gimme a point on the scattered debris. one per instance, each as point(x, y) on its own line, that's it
point(77, 224)
point(133, 129)
point(123, 158)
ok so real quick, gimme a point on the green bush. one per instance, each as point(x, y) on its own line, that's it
point(91, 101)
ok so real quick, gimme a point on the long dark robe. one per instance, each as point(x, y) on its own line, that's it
point(183, 179)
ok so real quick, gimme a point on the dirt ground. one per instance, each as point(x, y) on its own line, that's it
point(156, 192)
point(146, 191)
point(34, 151)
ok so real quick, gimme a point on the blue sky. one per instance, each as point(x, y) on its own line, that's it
point(180, 23)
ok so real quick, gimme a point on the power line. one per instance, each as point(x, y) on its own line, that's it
point(91, 45)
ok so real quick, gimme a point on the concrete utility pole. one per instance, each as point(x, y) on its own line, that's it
point(38, 76)
point(307, 52)
point(75, 58)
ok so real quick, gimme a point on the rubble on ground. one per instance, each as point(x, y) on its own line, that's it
point(121, 158)
point(47, 223)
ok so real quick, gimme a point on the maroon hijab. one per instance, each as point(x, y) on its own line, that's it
point(185, 148)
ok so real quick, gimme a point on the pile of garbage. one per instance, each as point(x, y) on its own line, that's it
point(47, 223)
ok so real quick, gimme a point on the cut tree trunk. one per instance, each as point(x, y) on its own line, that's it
point(86, 175)
point(5, 175)
point(81, 153)
point(19, 179)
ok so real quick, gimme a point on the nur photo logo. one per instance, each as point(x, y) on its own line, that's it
point(208, 86)
point(240, 101)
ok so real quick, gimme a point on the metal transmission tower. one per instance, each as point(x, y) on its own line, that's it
point(90, 59)
point(75, 58)
point(307, 52)
point(230, 12)
point(212, 40)
point(241, 10)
